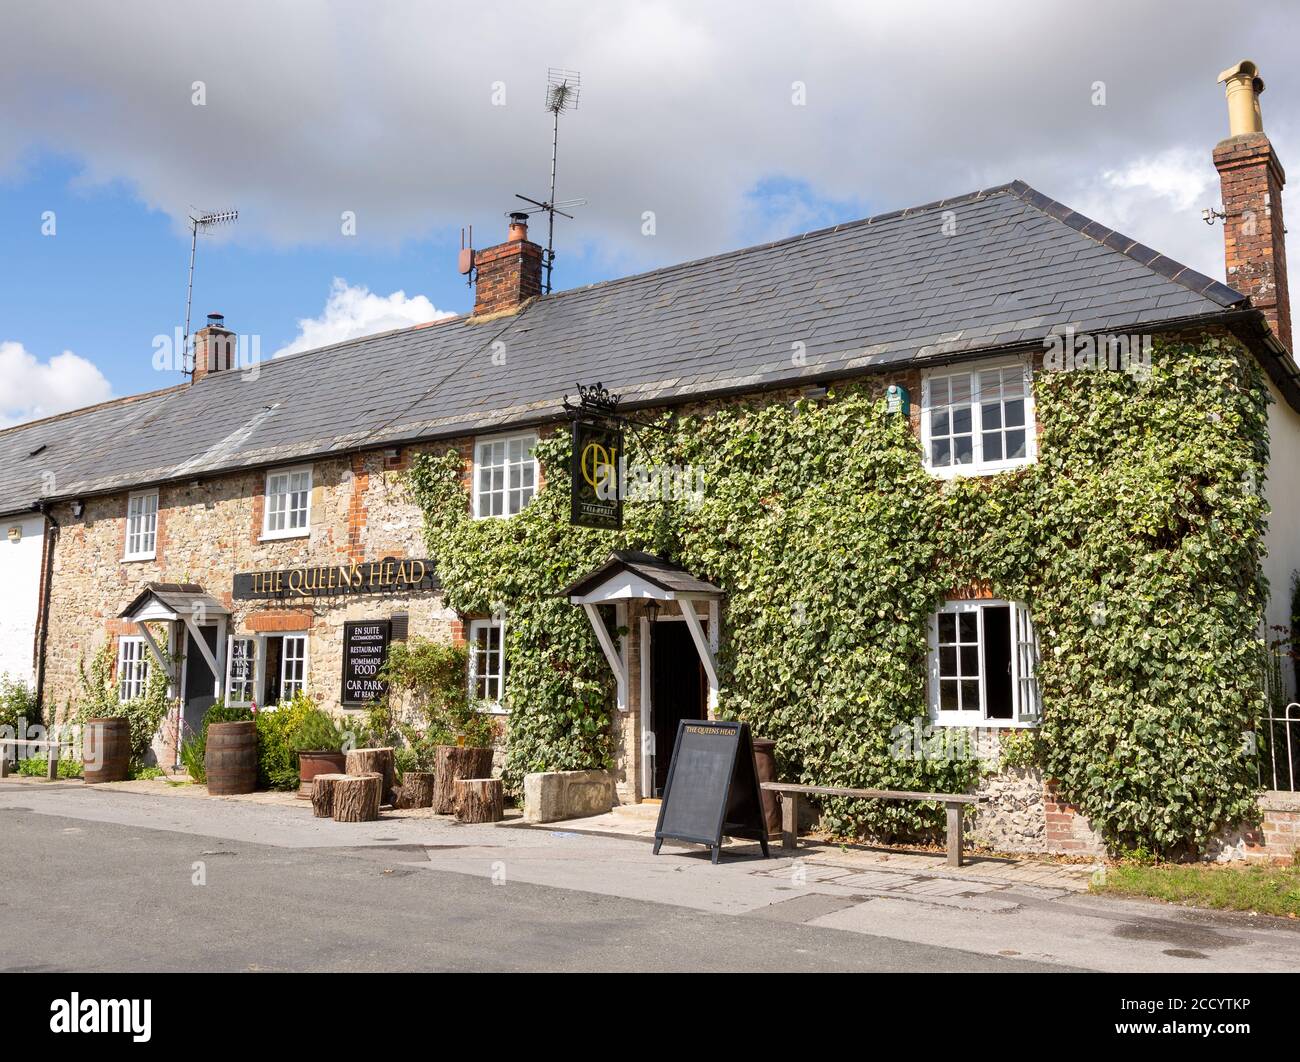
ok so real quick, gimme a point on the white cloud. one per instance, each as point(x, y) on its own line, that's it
point(351, 312)
point(388, 110)
point(31, 388)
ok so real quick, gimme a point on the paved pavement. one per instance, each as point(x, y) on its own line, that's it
point(287, 891)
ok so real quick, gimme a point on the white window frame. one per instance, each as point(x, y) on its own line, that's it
point(1026, 699)
point(132, 667)
point(299, 685)
point(494, 705)
point(254, 646)
point(269, 511)
point(145, 533)
point(978, 466)
point(528, 468)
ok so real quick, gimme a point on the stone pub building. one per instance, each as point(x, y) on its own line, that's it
point(259, 514)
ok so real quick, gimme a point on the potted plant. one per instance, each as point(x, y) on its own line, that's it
point(318, 742)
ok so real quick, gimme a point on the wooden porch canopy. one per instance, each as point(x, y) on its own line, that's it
point(629, 575)
point(188, 605)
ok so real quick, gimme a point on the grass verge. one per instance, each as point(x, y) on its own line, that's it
point(1273, 890)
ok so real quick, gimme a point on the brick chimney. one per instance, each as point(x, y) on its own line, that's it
point(508, 274)
point(1252, 178)
point(214, 348)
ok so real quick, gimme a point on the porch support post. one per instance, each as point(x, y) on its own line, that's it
point(617, 661)
point(156, 653)
point(704, 649)
point(220, 671)
point(202, 644)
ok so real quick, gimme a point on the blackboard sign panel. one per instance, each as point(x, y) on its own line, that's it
point(365, 650)
point(712, 789)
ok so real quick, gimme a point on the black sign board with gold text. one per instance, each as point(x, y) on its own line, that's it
point(392, 575)
point(596, 500)
point(712, 789)
point(365, 648)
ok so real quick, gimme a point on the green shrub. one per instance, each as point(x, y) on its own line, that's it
point(193, 750)
point(17, 703)
point(36, 767)
point(98, 699)
point(317, 731)
point(277, 756)
point(148, 774)
point(431, 677)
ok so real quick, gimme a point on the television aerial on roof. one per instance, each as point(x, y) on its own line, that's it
point(204, 220)
point(562, 90)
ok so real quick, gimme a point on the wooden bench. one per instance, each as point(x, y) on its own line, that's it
point(790, 794)
point(52, 764)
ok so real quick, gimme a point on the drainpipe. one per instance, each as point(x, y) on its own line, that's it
point(51, 540)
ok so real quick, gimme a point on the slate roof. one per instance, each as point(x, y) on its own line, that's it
point(887, 291)
point(654, 570)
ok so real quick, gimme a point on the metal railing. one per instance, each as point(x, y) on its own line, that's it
point(1279, 754)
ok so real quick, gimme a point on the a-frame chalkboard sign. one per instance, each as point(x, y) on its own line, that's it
point(712, 788)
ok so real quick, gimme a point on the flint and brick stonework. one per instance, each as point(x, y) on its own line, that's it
point(208, 531)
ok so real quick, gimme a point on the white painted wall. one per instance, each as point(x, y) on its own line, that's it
point(1282, 491)
point(20, 581)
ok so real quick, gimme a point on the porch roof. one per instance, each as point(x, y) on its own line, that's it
point(632, 575)
point(172, 601)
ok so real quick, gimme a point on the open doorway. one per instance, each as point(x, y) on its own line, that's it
point(678, 690)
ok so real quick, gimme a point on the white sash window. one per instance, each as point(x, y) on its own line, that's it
point(487, 662)
point(505, 475)
point(288, 503)
point(142, 526)
point(978, 422)
point(132, 668)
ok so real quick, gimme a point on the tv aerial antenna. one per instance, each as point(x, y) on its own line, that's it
point(199, 220)
point(562, 90)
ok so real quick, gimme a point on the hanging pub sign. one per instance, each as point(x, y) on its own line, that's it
point(712, 789)
point(365, 648)
point(596, 500)
point(387, 576)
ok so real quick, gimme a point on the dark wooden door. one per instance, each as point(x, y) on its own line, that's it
point(677, 690)
point(199, 680)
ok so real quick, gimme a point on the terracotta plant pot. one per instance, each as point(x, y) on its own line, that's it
point(311, 763)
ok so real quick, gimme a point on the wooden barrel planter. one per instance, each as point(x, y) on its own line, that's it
point(231, 758)
point(312, 763)
point(106, 750)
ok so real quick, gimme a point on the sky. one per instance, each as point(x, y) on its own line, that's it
point(357, 138)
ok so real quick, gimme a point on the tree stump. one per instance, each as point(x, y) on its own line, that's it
point(356, 797)
point(363, 761)
point(416, 790)
point(322, 794)
point(455, 762)
point(480, 799)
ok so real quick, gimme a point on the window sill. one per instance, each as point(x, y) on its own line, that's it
point(139, 557)
point(280, 536)
point(951, 719)
point(971, 471)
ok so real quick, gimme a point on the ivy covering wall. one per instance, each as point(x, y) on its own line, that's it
point(1135, 539)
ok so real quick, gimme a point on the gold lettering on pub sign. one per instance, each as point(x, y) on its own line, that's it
point(389, 575)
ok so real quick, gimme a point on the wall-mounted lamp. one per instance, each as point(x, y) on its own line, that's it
point(78, 507)
point(651, 611)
